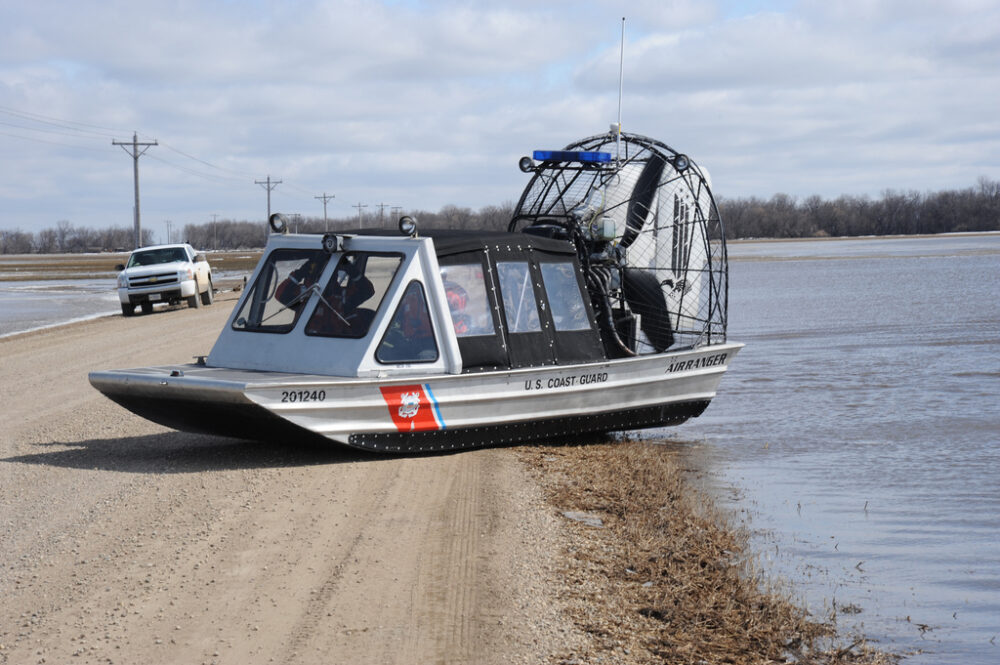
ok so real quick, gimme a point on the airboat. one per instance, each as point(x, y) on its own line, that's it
point(601, 307)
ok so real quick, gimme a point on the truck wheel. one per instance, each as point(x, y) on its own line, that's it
point(208, 296)
point(128, 310)
point(147, 307)
point(193, 301)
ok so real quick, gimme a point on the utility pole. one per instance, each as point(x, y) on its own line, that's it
point(215, 232)
point(269, 185)
point(135, 153)
point(381, 213)
point(168, 223)
point(361, 224)
point(326, 197)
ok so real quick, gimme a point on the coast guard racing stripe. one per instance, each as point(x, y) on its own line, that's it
point(413, 408)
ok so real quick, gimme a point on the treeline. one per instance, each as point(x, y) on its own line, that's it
point(782, 216)
point(234, 235)
point(68, 239)
point(894, 213)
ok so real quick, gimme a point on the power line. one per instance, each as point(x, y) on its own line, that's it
point(208, 164)
point(73, 129)
point(43, 130)
point(199, 174)
point(58, 122)
point(59, 143)
point(305, 191)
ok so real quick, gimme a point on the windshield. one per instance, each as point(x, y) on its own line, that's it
point(353, 296)
point(282, 288)
point(152, 257)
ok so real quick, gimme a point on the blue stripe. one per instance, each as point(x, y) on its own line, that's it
point(434, 402)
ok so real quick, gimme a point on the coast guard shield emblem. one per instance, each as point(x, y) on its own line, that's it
point(412, 408)
point(409, 405)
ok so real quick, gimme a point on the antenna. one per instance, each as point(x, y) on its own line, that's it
point(621, 76)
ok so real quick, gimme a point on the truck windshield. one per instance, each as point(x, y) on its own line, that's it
point(281, 290)
point(154, 256)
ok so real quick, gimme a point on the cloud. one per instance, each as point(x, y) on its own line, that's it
point(424, 104)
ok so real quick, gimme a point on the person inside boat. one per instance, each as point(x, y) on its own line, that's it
point(291, 292)
point(410, 337)
point(458, 298)
point(340, 314)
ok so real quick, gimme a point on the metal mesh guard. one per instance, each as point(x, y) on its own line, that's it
point(666, 226)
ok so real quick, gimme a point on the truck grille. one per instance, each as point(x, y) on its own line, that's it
point(153, 280)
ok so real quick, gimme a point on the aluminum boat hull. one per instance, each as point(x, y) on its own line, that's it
point(426, 413)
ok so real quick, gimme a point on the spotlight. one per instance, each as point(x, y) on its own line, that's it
point(330, 243)
point(278, 223)
point(408, 226)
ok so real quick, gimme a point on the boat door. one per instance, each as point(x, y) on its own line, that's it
point(528, 326)
point(471, 294)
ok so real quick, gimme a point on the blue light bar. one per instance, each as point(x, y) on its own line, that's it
point(572, 156)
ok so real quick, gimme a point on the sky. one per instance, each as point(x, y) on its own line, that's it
point(423, 103)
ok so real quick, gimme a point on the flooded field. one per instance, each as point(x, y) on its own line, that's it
point(860, 432)
point(33, 304)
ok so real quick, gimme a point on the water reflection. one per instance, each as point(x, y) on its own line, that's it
point(28, 305)
point(862, 423)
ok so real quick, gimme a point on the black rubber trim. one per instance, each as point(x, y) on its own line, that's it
point(533, 430)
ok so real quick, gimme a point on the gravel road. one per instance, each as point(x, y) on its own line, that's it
point(124, 542)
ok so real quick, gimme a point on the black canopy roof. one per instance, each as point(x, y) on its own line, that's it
point(457, 241)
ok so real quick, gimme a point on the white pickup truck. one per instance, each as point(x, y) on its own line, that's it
point(164, 273)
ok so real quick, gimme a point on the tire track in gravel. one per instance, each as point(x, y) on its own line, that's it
point(314, 614)
point(453, 572)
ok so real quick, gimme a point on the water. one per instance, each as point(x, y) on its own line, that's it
point(861, 427)
point(30, 305)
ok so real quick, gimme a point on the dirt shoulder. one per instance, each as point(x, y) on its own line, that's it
point(124, 542)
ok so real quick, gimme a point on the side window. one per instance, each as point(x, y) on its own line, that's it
point(410, 337)
point(281, 290)
point(349, 302)
point(565, 299)
point(465, 289)
point(518, 297)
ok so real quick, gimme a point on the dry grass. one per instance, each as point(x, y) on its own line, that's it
point(23, 267)
point(235, 260)
point(667, 579)
point(32, 267)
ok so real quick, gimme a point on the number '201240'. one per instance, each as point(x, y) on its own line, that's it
point(303, 395)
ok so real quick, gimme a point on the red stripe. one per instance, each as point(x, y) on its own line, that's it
point(410, 408)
